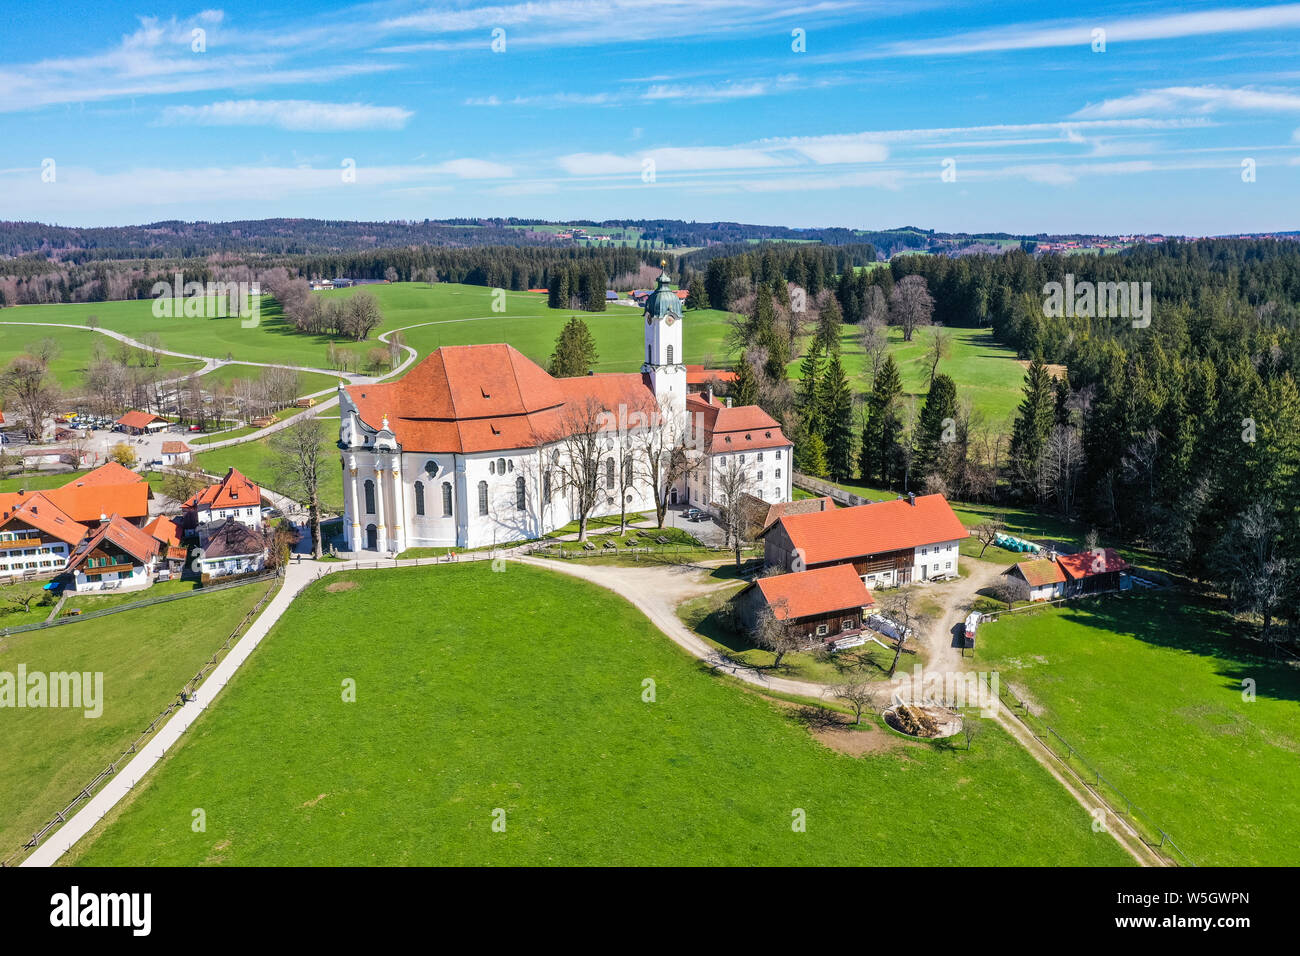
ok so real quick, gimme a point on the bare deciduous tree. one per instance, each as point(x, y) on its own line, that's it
point(987, 532)
point(857, 694)
point(580, 437)
point(772, 633)
point(910, 305)
point(301, 456)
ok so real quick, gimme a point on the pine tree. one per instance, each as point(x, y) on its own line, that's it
point(880, 452)
point(744, 389)
point(698, 297)
point(810, 389)
point(830, 321)
point(838, 421)
point(1033, 424)
point(575, 350)
point(939, 411)
point(810, 456)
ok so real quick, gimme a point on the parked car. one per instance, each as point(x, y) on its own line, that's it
point(195, 428)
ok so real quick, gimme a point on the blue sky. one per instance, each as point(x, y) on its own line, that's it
point(690, 109)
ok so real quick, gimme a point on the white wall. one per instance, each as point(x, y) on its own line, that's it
point(935, 560)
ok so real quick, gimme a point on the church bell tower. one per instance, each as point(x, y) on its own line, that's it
point(665, 362)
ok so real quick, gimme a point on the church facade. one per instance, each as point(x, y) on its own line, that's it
point(470, 447)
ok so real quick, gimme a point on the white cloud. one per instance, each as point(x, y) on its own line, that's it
point(1195, 99)
point(1079, 32)
point(304, 115)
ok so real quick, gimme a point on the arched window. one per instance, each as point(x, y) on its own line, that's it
point(482, 497)
point(649, 355)
point(609, 472)
point(419, 497)
point(492, 467)
point(546, 488)
point(370, 497)
point(446, 499)
point(431, 467)
point(519, 493)
point(627, 473)
point(670, 355)
point(778, 474)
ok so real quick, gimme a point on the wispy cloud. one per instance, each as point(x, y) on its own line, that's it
point(301, 115)
point(1194, 99)
point(1061, 33)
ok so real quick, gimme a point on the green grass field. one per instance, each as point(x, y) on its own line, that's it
point(454, 721)
point(448, 314)
point(75, 345)
point(256, 460)
point(146, 656)
point(309, 383)
point(1149, 690)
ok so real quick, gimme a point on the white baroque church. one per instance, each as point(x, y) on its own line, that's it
point(461, 451)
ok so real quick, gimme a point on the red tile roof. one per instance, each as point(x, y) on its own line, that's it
point(232, 491)
point(1040, 573)
point(875, 528)
point(110, 473)
point(37, 511)
point(1087, 563)
point(164, 529)
point(699, 375)
point(123, 535)
point(819, 591)
point(469, 398)
point(740, 429)
point(91, 502)
point(134, 419)
point(174, 448)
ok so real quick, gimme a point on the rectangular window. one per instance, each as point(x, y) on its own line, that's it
point(846, 624)
point(823, 630)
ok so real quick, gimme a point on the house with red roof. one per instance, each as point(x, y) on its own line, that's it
point(1090, 572)
point(118, 555)
point(234, 496)
point(175, 452)
point(888, 543)
point(36, 537)
point(1039, 580)
point(824, 605)
point(140, 423)
point(468, 448)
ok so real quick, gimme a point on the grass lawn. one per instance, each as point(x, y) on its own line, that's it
point(74, 344)
point(146, 656)
point(38, 481)
point(452, 723)
point(309, 383)
point(256, 460)
point(241, 432)
point(97, 602)
point(1149, 689)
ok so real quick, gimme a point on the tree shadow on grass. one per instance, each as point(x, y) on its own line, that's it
point(1197, 625)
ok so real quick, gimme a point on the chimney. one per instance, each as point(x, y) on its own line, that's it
point(708, 391)
point(728, 401)
point(911, 498)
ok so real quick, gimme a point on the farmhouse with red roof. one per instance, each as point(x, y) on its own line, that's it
point(234, 496)
point(888, 543)
point(468, 449)
point(826, 604)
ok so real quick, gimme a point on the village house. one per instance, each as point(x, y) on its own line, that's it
point(36, 538)
point(234, 496)
point(825, 605)
point(1039, 580)
point(888, 543)
point(1069, 575)
point(175, 453)
point(232, 548)
point(465, 450)
point(142, 423)
point(119, 555)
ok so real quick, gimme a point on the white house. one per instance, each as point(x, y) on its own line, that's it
point(175, 453)
point(890, 543)
point(232, 548)
point(234, 496)
point(118, 555)
point(468, 449)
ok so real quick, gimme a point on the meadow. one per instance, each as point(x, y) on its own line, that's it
point(430, 316)
point(454, 728)
point(146, 655)
point(1150, 689)
point(256, 460)
point(75, 347)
